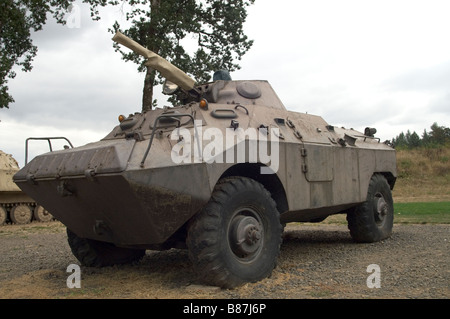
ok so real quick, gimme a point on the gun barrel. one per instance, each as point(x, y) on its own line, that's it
point(167, 69)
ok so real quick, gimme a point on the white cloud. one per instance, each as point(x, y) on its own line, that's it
point(352, 61)
point(355, 63)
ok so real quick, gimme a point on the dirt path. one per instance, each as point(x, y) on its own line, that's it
point(316, 261)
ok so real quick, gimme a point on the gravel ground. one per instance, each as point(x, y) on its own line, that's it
point(316, 261)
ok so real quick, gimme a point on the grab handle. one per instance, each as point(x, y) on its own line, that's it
point(227, 114)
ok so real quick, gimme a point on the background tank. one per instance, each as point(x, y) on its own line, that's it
point(219, 174)
point(15, 205)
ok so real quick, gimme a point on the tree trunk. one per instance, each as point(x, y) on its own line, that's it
point(147, 96)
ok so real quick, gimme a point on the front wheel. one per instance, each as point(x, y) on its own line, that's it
point(236, 237)
point(373, 220)
point(93, 253)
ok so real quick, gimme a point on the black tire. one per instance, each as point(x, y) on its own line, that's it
point(93, 253)
point(373, 220)
point(236, 237)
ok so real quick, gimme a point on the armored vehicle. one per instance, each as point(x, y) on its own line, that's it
point(220, 174)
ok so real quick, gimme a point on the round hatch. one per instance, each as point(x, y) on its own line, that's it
point(248, 90)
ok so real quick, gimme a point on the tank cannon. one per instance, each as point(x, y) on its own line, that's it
point(167, 69)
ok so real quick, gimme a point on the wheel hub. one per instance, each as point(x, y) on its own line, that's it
point(245, 236)
point(381, 209)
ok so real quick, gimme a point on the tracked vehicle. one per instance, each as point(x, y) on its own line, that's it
point(219, 174)
point(15, 206)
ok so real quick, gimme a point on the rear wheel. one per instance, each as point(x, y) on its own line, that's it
point(93, 253)
point(236, 237)
point(373, 220)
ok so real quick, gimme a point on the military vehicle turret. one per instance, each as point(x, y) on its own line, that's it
point(219, 174)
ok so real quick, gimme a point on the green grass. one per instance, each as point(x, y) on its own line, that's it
point(410, 213)
point(422, 213)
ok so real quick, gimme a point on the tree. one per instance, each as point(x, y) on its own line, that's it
point(17, 19)
point(400, 140)
point(439, 134)
point(414, 140)
point(163, 26)
point(425, 138)
point(166, 26)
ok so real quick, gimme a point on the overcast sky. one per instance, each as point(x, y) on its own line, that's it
point(383, 64)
